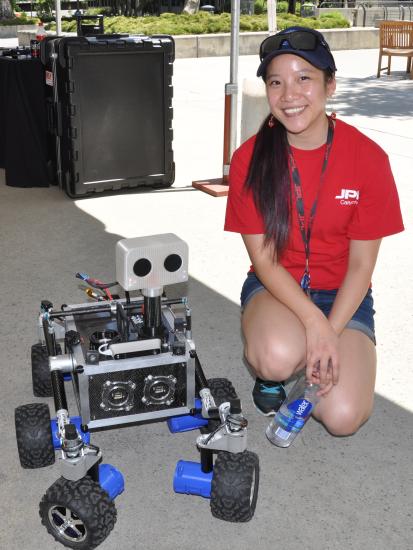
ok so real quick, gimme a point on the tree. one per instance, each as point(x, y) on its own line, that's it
point(6, 11)
point(291, 6)
point(45, 8)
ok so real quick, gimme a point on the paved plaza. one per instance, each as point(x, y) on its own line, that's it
point(323, 493)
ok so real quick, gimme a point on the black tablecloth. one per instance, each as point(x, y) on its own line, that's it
point(23, 123)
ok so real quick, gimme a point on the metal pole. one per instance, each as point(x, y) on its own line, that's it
point(235, 19)
point(231, 91)
point(272, 16)
point(58, 18)
point(230, 112)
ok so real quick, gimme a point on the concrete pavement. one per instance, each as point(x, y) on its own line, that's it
point(323, 493)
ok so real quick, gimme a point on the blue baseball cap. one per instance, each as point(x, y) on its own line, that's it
point(302, 41)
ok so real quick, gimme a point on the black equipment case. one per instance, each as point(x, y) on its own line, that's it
point(110, 111)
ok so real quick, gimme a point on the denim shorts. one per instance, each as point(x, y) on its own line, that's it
point(362, 320)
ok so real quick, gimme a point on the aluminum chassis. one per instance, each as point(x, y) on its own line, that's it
point(78, 458)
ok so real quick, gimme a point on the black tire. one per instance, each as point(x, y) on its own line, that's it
point(34, 435)
point(78, 514)
point(42, 384)
point(234, 488)
point(221, 389)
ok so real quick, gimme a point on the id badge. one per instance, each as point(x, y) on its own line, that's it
point(305, 282)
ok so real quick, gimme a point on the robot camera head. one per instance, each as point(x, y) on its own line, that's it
point(149, 263)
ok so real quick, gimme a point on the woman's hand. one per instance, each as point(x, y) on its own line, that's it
point(322, 355)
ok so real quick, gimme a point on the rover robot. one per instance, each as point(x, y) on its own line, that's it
point(130, 358)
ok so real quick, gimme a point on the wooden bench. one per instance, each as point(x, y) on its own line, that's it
point(396, 39)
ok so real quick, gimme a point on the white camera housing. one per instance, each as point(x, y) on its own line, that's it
point(151, 262)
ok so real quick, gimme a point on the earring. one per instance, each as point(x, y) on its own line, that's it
point(333, 115)
point(271, 122)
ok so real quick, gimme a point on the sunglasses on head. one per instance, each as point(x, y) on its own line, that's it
point(297, 40)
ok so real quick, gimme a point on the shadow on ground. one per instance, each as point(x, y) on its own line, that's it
point(391, 96)
point(323, 493)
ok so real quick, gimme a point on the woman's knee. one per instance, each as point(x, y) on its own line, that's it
point(273, 360)
point(344, 419)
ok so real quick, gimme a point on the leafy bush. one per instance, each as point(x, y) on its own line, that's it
point(206, 23)
point(22, 19)
point(333, 20)
point(282, 7)
point(99, 11)
point(259, 7)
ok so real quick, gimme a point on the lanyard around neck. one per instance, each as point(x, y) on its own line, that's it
point(299, 202)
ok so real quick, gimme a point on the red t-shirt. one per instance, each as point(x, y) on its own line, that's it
point(358, 200)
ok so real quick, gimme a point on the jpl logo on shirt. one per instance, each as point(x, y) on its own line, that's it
point(348, 196)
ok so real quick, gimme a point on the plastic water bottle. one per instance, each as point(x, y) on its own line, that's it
point(40, 33)
point(293, 414)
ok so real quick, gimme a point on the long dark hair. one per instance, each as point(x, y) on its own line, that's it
point(269, 180)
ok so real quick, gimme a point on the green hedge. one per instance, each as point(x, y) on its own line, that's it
point(205, 23)
point(22, 20)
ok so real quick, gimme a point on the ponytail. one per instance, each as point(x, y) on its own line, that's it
point(269, 181)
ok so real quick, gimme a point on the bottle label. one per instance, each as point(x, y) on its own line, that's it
point(294, 418)
point(282, 434)
point(301, 408)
